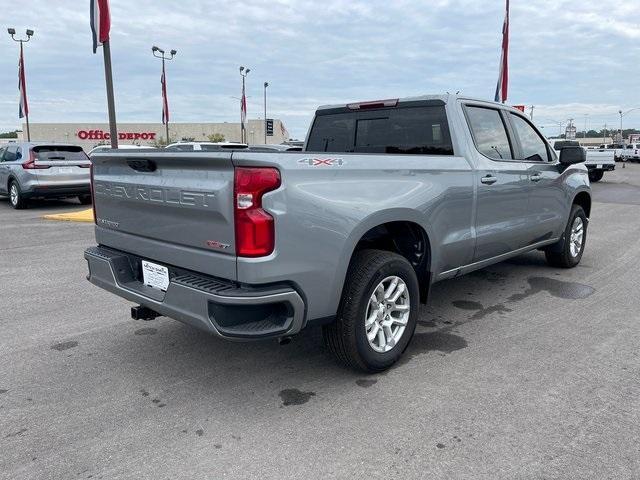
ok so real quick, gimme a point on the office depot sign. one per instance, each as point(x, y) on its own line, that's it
point(102, 135)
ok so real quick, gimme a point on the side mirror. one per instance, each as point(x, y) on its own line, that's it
point(572, 155)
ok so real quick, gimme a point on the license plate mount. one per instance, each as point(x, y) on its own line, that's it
point(155, 276)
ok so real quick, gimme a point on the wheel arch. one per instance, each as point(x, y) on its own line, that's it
point(583, 198)
point(399, 231)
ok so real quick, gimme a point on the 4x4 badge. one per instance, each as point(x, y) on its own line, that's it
point(321, 162)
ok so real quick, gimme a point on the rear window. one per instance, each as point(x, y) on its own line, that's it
point(565, 143)
point(179, 148)
point(419, 130)
point(59, 152)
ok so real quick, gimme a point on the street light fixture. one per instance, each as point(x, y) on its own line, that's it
point(21, 41)
point(243, 105)
point(159, 53)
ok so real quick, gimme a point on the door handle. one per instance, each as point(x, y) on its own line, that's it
point(488, 180)
point(536, 177)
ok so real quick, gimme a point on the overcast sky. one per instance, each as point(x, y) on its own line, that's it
point(567, 58)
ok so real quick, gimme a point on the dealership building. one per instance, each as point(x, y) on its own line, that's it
point(88, 135)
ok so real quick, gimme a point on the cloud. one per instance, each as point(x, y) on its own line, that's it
point(567, 60)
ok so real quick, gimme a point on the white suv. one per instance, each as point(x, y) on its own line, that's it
point(203, 146)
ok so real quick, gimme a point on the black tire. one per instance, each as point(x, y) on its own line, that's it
point(560, 254)
point(16, 200)
point(596, 175)
point(85, 199)
point(346, 337)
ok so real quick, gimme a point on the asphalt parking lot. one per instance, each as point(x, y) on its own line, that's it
point(516, 371)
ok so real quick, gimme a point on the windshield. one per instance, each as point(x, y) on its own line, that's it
point(565, 143)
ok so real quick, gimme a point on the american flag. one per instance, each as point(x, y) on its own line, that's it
point(284, 131)
point(100, 22)
point(503, 79)
point(165, 101)
point(23, 108)
point(243, 109)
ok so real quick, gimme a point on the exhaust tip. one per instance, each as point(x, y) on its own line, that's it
point(284, 340)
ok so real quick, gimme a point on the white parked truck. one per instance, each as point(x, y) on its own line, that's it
point(598, 161)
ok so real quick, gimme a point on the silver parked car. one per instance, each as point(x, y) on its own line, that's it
point(43, 170)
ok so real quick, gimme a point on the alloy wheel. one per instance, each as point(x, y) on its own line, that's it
point(577, 236)
point(387, 314)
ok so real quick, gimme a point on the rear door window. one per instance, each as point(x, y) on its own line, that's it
point(419, 130)
point(489, 133)
point(534, 148)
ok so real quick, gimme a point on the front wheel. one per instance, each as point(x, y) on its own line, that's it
point(568, 251)
point(378, 311)
point(596, 175)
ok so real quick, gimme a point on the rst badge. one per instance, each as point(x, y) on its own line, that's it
point(321, 162)
point(218, 245)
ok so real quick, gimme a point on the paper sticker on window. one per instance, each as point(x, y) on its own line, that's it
point(436, 133)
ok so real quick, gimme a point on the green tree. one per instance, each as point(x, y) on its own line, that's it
point(13, 134)
point(216, 137)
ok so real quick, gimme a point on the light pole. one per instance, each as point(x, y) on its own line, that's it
point(159, 53)
point(24, 110)
point(266, 84)
point(243, 105)
point(584, 136)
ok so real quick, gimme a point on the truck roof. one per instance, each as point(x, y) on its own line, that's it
point(444, 98)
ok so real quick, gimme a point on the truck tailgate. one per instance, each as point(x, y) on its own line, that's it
point(174, 208)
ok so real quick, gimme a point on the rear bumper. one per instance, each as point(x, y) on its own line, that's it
point(606, 167)
point(47, 191)
point(220, 307)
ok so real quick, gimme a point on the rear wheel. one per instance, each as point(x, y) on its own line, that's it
point(568, 251)
point(85, 199)
point(596, 175)
point(16, 199)
point(378, 311)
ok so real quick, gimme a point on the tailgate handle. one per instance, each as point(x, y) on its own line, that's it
point(142, 165)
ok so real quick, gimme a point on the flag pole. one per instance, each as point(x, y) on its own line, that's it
point(26, 112)
point(113, 129)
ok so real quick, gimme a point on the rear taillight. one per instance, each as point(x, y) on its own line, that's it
point(255, 230)
point(93, 196)
point(31, 163)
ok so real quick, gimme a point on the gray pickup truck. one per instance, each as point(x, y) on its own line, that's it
point(386, 199)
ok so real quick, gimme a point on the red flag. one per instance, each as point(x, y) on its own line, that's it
point(23, 108)
point(503, 79)
point(100, 22)
point(165, 101)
